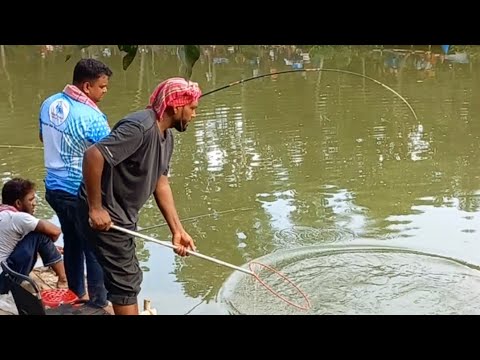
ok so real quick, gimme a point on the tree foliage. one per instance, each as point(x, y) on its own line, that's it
point(188, 55)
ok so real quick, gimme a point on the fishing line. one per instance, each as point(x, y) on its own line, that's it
point(312, 70)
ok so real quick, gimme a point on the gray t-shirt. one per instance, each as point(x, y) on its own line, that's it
point(136, 155)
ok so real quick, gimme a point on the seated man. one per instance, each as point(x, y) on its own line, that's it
point(23, 236)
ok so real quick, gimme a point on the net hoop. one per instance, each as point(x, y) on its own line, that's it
point(305, 307)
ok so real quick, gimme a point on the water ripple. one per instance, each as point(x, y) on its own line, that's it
point(359, 280)
point(297, 236)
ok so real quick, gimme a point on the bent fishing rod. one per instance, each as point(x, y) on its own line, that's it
point(238, 82)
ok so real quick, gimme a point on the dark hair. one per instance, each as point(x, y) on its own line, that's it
point(16, 189)
point(90, 70)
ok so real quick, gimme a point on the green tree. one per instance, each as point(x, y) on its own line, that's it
point(188, 54)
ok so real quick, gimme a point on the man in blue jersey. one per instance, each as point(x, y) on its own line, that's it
point(70, 121)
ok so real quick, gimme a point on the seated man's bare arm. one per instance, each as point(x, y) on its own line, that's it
point(49, 229)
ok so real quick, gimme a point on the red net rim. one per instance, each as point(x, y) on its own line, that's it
point(56, 297)
point(307, 305)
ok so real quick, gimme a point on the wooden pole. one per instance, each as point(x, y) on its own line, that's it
point(147, 310)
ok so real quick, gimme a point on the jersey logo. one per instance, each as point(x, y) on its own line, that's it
point(58, 112)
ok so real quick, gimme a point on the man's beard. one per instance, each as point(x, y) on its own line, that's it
point(181, 125)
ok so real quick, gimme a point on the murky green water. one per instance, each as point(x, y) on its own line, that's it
point(355, 280)
point(312, 159)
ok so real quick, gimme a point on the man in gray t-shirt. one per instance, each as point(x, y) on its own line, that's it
point(120, 173)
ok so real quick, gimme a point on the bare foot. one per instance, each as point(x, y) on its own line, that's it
point(62, 284)
point(109, 308)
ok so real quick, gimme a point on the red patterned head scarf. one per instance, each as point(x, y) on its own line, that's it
point(173, 92)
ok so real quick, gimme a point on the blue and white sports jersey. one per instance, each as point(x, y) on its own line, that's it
point(68, 128)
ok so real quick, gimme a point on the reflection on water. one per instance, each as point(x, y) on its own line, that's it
point(318, 157)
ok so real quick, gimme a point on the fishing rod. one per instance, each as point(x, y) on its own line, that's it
point(238, 82)
point(6, 146)
point(312, 70)
point(197, 217)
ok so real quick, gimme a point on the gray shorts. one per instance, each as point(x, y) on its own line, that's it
point(116, 254)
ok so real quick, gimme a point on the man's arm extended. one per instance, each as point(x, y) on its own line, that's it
point(166, 204)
